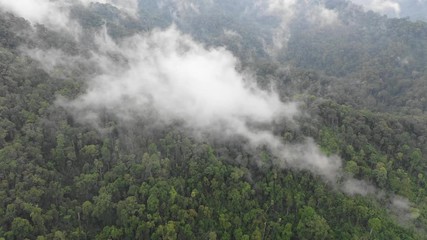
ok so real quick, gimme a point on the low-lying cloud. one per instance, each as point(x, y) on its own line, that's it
point(165, 77)
point(168, 75)
point(55, 14)
point(183, 7)
point(288, 11)
point(389, 7)
point(128, 6)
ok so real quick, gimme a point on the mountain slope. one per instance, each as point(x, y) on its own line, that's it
point(109, 171)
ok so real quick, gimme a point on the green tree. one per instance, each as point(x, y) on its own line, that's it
point(21, 228)
point(311, 225)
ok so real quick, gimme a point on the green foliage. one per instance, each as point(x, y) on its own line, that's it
point(21, 228)
point(311, 225)
point(63, 180)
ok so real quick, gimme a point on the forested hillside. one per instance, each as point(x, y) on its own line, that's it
point(187, 120)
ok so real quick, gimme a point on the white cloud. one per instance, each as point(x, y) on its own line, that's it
point(360, 187)
point(51, 13)
point(51, 58)
point(181, 8)
point(286, 10)
point(282, 6)
point(181, 80)
point(290, 10)
point(128, 6)
point(322, 16)
point(166, 77)
point(232, 34)
point(55, 14)
point(389, 7)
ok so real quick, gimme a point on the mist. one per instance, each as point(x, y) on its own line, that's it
point(414, 9)
point(55, 14)
point(289, 11)
point(169, 78)
point(169, 75)
point(388, 7)
point(165, 77)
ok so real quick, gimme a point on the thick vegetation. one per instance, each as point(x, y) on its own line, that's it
point(60, 179)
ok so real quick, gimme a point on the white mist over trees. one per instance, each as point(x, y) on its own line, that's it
point(124, 74)
point(55, 14)
point(165, 77)
point(168, 76)
point(414, 9)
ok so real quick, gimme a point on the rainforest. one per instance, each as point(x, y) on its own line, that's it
point(213, 119)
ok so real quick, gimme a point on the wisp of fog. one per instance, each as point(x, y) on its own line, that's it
point(169, 77)
point(165, 76)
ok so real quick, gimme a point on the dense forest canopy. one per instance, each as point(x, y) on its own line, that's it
point(213, 119)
